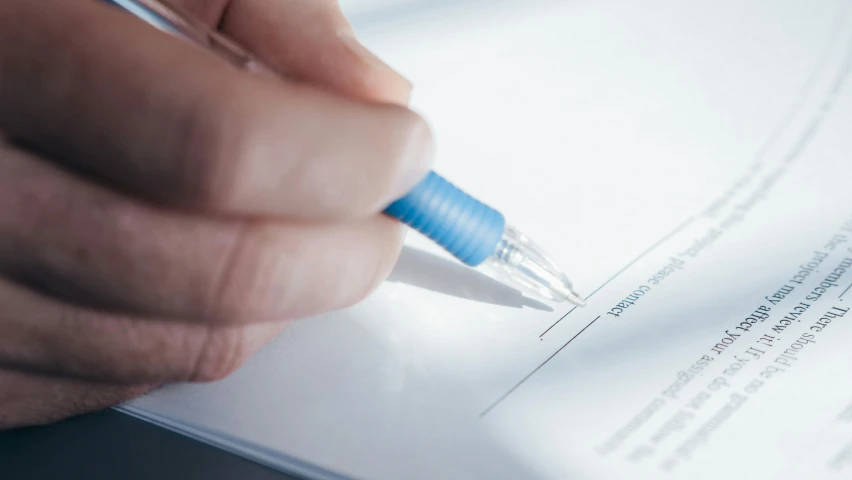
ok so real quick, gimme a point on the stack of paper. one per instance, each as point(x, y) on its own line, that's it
point(689, 163)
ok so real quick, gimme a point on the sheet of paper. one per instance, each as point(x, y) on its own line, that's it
point(690, 164)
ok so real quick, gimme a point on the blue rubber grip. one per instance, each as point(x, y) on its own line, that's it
point(464, 226)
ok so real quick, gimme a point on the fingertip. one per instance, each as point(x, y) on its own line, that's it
point(416, 156)
point(400, 231)
point(372, 78)
point(388, 240)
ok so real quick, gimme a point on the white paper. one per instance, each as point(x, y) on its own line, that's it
point(710, 137)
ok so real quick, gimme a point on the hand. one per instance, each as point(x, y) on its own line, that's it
point(162, 215)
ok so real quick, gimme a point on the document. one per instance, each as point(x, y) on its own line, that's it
point(689, 163)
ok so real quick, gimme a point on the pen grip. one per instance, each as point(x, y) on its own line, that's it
point(464, 226)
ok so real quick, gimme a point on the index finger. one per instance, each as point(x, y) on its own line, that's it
point(154, 115)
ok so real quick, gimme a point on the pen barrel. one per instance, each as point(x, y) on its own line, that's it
point(461, 224)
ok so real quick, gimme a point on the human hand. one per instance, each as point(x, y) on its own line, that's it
point(162, 215)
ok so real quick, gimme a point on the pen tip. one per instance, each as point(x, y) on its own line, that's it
point(574, 298)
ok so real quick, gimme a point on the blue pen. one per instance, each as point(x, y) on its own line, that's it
point(471, 231)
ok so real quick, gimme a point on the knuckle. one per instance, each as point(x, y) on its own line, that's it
point(222, 352)
point(253, 282)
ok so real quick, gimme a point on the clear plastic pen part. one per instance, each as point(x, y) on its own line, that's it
point(479, 236)
point(170, 19)
point(518, 261)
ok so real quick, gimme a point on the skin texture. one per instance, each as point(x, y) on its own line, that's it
point(162, 214)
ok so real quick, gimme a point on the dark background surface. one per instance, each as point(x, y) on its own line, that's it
point(112, 445)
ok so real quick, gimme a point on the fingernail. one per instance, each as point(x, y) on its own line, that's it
point(347, 36)
point(419, 154)
point(403, 233)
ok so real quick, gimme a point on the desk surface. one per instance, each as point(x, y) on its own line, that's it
point(110, 444)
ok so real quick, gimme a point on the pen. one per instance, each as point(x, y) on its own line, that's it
point(470, 230)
